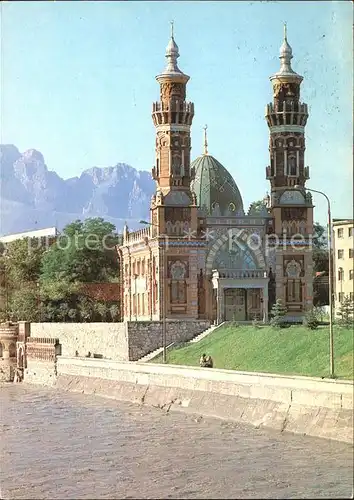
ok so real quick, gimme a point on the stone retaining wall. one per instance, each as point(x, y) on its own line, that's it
point(146, 336)
point(108, 339)
point(118, 341)
point(297, 404)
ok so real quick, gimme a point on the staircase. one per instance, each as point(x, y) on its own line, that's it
point(157, 352)
point(201, 336)
point(153, 354)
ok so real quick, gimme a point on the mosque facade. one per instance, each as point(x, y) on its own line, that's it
point(201, 256)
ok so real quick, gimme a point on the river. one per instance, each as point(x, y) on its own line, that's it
point(58, 445)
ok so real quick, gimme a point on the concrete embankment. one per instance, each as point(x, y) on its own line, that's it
point(316, 407)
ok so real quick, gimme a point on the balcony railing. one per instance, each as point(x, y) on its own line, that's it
point(173, 106)
point(240, 274)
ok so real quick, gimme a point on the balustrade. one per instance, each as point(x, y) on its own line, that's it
point(173, 106)
point(138, 236)
point(240, 274)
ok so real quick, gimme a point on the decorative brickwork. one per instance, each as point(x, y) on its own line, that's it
point(292, 208)
point(44, 348)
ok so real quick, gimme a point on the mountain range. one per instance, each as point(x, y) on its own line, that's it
point(33, 197)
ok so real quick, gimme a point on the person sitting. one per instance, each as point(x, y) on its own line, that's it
point(206, 361)
point(202, 361)
point(209, 362)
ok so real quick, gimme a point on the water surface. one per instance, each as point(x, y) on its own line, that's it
point(57, 445)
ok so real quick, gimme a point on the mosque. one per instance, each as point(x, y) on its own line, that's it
point(201, 256)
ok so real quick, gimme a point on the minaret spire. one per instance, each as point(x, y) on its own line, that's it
point(285, 56)
point(172, 54)
point(205, 128)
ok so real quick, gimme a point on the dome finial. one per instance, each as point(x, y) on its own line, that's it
point(205, 128)
point(286, 54)
point(172, 53)
point(171, 22)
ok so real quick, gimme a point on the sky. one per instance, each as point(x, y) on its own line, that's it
point(78, 82)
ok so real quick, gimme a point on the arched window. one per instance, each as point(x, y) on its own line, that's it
point(292, 170)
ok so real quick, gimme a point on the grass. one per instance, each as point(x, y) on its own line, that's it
point(295, 350)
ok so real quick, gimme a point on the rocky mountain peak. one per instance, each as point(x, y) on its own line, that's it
point(33, 156)
point(33, 196)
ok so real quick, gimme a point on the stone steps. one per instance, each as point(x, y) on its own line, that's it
point(153, 354)
point(205, 333)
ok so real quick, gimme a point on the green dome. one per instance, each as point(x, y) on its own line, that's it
point(216, 190)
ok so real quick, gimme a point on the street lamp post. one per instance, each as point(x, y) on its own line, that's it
point(330, 279)
point(164, 326)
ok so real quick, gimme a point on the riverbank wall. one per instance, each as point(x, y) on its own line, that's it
point(302, 405)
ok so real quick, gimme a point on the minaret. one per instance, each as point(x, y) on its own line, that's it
point(172, 117)
point(286, 118)
point(174, 217)
point(291, 207)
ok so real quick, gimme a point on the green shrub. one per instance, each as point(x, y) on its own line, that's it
point(278, 313)
point(345, 313)
point(256, 323)
point(311, 320)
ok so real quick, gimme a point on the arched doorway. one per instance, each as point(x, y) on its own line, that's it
point(238, 274)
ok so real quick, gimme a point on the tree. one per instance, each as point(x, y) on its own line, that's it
point(114, 312)
point(21, 260)
point(23, 304)
point(257, 207)
point(320, 259)
point(58, 300)
point(319, 238)
point(85, 252)
point(346, 311)
point(319, 249)
point(101, 309)
point(278, 313)
point(85, 308)
point(311, 320)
